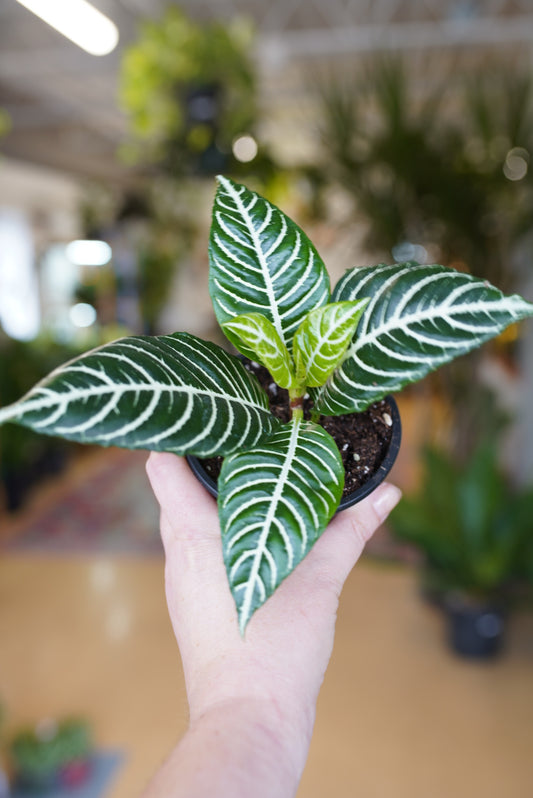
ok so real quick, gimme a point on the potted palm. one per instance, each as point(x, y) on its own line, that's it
point(438, 179)
point(336, 354)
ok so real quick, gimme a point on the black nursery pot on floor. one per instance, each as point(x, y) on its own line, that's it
point(475, 630)
point(373, 481)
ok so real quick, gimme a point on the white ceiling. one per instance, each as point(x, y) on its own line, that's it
point(63, 103)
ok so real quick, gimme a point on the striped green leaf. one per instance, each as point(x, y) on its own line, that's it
point(172, 393)
point(255, 332)
point(261, 262)
point(322, 339)
point(418, 318)
point(274, 503)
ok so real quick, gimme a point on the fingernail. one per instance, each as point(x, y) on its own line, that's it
point(386, 498)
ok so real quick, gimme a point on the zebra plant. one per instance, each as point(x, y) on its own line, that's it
point(382, 328)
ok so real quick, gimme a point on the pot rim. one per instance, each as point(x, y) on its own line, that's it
point(352, 498)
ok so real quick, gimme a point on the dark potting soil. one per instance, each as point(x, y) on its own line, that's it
point(363, 438)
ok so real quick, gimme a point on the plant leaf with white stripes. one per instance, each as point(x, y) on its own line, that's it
point(254, 331)
point(274, 503)
point(418, 318)
point(261, 262)
point(172, 393)
point(322, 339)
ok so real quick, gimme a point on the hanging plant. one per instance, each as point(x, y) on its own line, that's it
point(189, 90)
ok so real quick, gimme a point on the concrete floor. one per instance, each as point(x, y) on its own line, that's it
point(398, 715)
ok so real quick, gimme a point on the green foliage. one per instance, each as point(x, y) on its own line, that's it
point(254, 333)
point(37, 758)
point(418, 318)
point(24, 454)
point(173, 57)
point(473, 529)
point(156, 269)
point(274, 503)
point(173, 393)
point(421, 173)
point(280, 484)
point(5, 122)
point(261, 262)
point(322, 339)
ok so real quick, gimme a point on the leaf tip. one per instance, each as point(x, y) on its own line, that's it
point(223, 181)
point(243, 623)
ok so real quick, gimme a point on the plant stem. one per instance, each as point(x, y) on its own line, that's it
point(296, 397)
point(297, 408)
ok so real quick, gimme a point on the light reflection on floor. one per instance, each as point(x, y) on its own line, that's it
point(398, 715)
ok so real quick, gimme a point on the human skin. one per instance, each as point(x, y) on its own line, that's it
point(251, 700)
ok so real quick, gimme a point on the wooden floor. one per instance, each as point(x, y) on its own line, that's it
point(399, 717)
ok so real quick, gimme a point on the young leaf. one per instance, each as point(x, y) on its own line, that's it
point(322, 339)
point(255, 332)
point(274, 502)
point(419, 317)
point(261, 262)
point(173, 393)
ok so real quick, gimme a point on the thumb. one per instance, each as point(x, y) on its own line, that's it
point(190, 511)
point(198, 597)
point(341, 545)
point(190, 528)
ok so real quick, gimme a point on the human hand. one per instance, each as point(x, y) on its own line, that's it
point(274, 674)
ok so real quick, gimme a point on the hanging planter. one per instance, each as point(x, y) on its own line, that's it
point(189, 90)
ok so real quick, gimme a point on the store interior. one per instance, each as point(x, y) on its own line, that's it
point(390, 132)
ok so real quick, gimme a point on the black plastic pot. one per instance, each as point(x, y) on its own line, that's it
point(347, 501)
point(475, 630)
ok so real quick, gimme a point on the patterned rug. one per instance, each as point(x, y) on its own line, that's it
point(102, 506)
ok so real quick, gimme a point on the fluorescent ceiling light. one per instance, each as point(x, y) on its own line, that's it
point(79, 21)
point(82, 315)
point(89, 253)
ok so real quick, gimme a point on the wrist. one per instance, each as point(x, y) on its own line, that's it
point(235, 747)
point(258, 742)
point(282, 707)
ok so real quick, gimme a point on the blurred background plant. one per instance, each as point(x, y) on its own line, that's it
point(440, 181)
point(52, 755)
point(472, 529)
point(471, 525)
point(5, 122)
point(24, 456)
point(452, 179)
point(151, 227)
point(436, 179)
point(190, 91)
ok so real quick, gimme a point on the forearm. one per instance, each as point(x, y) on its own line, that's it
point(252, 701)
point(234, 750)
